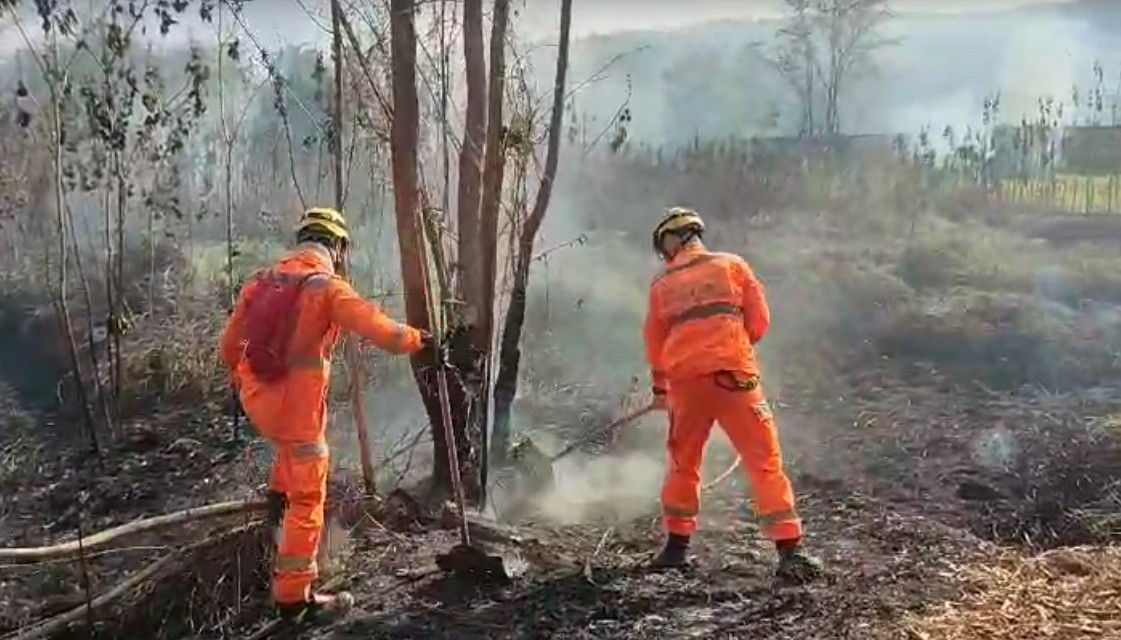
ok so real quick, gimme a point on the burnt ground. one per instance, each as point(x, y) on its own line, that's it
point(901, 486)
point(877, 573)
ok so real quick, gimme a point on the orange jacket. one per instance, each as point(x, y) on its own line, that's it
point(294, 409)
point(706, 312)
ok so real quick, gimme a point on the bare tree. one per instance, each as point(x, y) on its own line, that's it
point(471, 307)
point(471, 153)
point(493, 178)
point(404, 142)
point(794, 57)
point(828, 45)
point(506, 382)
point(852, 36)
point(351, 350)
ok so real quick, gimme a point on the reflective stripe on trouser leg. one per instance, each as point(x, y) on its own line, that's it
point(747, 420)
point(690, 425)
point(679, 521)
point(295, 568)
point(782, 525)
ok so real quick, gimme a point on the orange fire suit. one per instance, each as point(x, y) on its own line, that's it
point(706, 312)
point(292, 413)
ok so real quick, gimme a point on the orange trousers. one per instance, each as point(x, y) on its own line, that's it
point(739, 405)
point(299, 471)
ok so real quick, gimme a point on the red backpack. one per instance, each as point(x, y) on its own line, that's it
point(271, 311)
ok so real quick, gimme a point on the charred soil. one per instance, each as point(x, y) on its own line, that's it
point(909, 490)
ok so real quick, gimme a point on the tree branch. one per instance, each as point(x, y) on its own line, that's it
point(102, 538)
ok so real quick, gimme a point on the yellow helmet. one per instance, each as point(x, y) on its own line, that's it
point(676, 220)
point(325, 221)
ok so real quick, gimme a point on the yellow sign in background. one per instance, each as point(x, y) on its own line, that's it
point(1066, 192)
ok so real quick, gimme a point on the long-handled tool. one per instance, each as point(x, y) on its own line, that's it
point(532, 473)
point(464, 560)
point(625, 420)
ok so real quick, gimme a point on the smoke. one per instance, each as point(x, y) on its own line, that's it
point(625, 485)
point(621, 487)
point(995, 449)
point(1032, 66)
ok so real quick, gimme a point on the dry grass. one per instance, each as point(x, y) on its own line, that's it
point(172, 361)
point(1067, 593)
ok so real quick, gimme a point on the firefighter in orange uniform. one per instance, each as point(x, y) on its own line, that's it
point(278, 345)
point(706, 312)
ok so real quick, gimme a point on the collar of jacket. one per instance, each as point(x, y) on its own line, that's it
point(687, 253)
point(313, 256)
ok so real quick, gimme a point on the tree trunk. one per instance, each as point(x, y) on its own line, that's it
point(95, 361)
point(111, 303)
point(404, 137)
point(469, 268)
point(509, 361)
point(468, 344)
point(810, 60)
point(445, 134)
point(351, 352)
point(66, 326)
point(836, 24)
point(493, 178)
point(117, 323)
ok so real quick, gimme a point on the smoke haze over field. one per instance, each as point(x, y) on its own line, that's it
point(951, 55)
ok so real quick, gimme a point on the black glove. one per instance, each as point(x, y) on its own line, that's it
point(435, 350)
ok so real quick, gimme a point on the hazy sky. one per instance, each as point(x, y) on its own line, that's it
point(600, 16)
point(276, 21)
point(285, 19)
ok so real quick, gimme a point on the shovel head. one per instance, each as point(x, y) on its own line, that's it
point(475, 565)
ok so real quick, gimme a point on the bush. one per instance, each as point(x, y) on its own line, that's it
point(172, 361)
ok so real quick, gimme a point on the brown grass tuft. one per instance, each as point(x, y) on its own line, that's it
point(1068, 593)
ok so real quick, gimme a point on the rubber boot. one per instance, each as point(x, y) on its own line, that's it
point(675, 555)
point(795, 565)
point(276, 504)
point(321, 608)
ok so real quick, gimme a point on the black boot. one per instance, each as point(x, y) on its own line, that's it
point(321, 608)
point(675, 555)
point(795, 565)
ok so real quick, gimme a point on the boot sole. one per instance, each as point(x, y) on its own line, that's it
point(662, 568)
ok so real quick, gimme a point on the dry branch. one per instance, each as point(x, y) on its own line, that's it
point(591, 558)
point(102, 538)
point(364, 65)
point(487, 530)
point(50, 626)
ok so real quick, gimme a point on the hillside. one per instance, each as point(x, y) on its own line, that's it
point(707, 80)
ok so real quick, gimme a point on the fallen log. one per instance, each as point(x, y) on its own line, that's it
point(481, 526)
point(344, 509)
point(102, 538)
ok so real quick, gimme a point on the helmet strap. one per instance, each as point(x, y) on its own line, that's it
point(341, 256)
point(684, 237)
